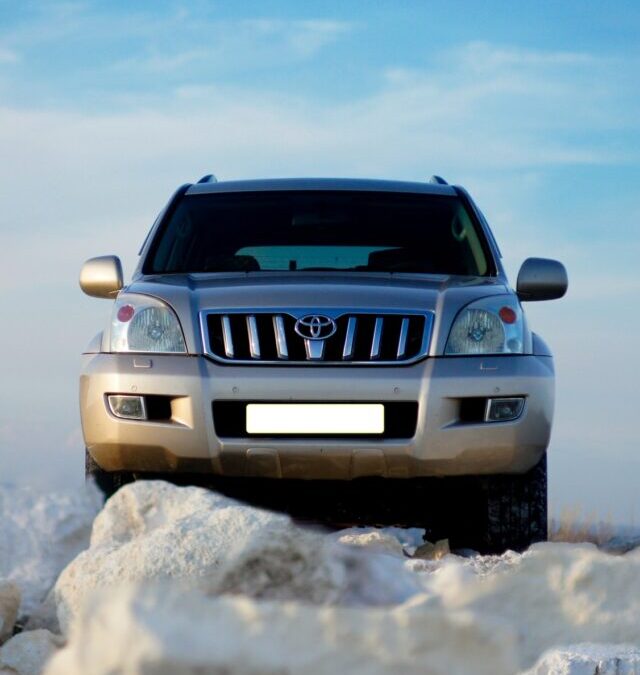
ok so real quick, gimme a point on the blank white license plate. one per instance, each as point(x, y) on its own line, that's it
point(315, 418)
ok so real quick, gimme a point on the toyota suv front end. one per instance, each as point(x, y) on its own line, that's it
point(322, 329)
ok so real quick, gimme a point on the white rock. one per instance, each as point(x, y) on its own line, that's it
point(589, 659)
point(152, 530)
point(372, 539)
point(400, 541)
point(39, 534)
point(9, 604)
point(294, 564)
point(168, 632)
point(555, 594)
point(27, 653)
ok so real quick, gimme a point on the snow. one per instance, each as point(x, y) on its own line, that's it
point(39, 534)
point(153, 531)
point(184, 580)
point(589, 659)
point(554, 594)
point(393, 540)
point(27, 653)
point(9, 604)
point(169, 632)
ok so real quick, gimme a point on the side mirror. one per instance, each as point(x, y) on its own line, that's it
point(541, 279)
point(102, 277)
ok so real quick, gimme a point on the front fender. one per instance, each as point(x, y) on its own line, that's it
point(540, 347)
point(94, 347)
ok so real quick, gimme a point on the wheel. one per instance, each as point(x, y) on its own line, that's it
point(108, 482)
point(516, 510)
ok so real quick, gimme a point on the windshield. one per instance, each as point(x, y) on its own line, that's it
point(319, 230)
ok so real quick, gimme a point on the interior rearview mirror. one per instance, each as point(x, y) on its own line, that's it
point(102, 277)
point(541, 279)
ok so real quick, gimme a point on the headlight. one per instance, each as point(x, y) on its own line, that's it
point(143, 324)
point(489, 326)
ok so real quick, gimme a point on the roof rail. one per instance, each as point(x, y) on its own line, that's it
point(438, 180)
point(209, 178)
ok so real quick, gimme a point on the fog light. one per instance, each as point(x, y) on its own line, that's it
point(128, 407)
point(503, 409)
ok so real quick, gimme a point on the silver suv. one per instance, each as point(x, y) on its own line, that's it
point(326, 330)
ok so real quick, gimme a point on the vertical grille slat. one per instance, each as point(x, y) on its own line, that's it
point(254, 338)
point(314, 349)
point(402, 340)
point(227, 337)
point(376, 342)
point(261, 336)
point(281, 337)
point(349, 340)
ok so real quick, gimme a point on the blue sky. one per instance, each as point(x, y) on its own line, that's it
point(106, 107)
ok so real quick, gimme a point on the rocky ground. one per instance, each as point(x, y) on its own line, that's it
point(170, 580)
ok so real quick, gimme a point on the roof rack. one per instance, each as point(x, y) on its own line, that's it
point(209, 178)
point(438, 180)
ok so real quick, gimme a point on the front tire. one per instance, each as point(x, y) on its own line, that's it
point(108, 482)
point(516, 509)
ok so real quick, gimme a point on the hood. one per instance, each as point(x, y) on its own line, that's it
point(188, 294)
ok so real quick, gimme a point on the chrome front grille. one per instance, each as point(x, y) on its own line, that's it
point(269, 336)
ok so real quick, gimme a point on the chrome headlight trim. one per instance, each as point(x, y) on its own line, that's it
point(490, 326)
point(143, 324)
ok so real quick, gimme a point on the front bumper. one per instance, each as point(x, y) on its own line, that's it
point(442, 445)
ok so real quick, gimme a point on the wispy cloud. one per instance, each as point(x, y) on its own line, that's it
point(8, 55)
point(449, 119)
point(162, 42)
point(487, 56)
point(305, 37)
point(52, 21)
point(228, 46)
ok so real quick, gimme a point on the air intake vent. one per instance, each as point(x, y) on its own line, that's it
point(326, 337)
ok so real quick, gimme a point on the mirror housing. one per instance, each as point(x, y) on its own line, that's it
point(541, 279)
point(102, 277)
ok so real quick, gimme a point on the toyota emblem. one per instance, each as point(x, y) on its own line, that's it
point(315, 327)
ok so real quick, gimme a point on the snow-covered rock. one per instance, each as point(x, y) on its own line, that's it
point(27, 653)
point(152, 530)
point(429, 551)
point(185, 580)
point(555, 594)
point(294, 564)
point(39, 534)
point(371, 539)
point(170, 632)
point(9, 604)
point(393, 540)
point(589, 659)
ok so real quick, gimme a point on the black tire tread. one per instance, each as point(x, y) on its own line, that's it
point(108, 482)
point(516, 509)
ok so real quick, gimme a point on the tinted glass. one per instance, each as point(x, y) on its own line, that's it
point(319, 230)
